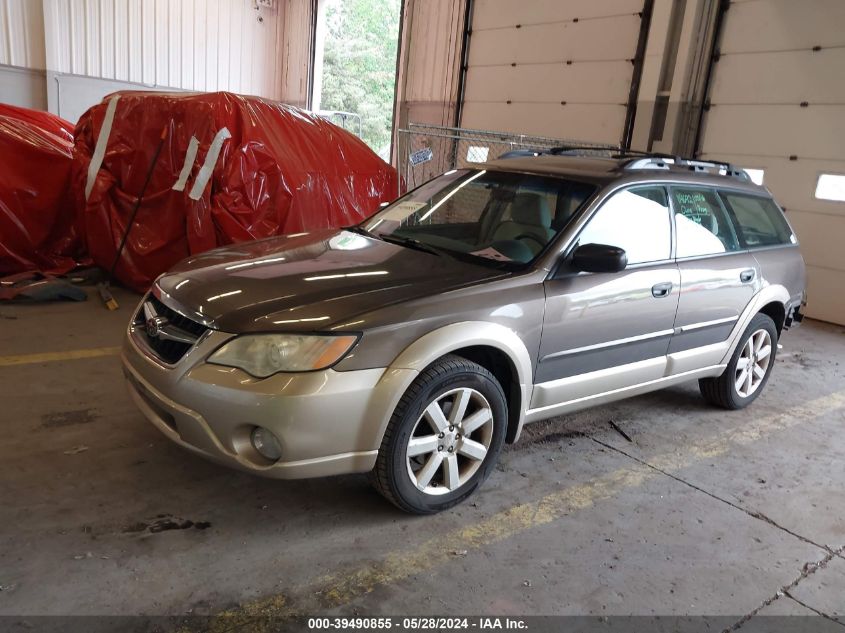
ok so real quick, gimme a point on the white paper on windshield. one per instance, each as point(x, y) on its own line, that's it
point(491, 253)
point(402, 210)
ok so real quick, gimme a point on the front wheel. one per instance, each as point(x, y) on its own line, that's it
point(444, 437)
point(749, 369)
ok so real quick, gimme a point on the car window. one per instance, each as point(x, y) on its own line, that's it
point(701, 225)
point(758, 220)
point(636, 220)
point(485, 215)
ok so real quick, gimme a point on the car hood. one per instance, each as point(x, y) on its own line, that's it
point(308, 281)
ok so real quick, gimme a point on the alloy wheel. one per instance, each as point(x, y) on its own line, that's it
point(753, 362)
point(450, 441)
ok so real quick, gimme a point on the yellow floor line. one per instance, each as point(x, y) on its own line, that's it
point(340, 589)
point(51, 357)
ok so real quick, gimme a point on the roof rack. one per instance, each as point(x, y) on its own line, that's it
point(639, 159)
point(676, 163)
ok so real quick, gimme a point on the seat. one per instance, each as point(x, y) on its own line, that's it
point(529, 215)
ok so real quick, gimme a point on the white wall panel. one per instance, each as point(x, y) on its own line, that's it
point(22, 60)
point(23, 87)
point(753, 26)
point(767, 68)
point(187, 44)
point(508, 13)
point(22, 34)
point(70, 96)
point(548, 119)
point(599, 82)
point(556, 43)
point(551, 68)
point(776, 130)
point(784, 77)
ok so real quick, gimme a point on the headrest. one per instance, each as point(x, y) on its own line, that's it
point(531, 209)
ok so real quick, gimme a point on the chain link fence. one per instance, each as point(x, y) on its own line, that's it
point(426, 151)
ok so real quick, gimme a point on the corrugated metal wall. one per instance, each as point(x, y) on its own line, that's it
point(22, 33)
point(188, 44)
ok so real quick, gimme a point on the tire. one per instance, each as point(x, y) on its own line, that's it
point(447, 466)
point(723, 390)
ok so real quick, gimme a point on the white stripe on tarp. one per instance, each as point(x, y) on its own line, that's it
point(100, 147)
point(190, 157)
point(208, 166)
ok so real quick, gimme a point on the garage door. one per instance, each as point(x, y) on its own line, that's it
point(551, 68)
point(778, 104)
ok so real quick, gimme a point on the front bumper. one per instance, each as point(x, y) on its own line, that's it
point(327, 422)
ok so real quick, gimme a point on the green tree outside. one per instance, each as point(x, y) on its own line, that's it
point(359, 65)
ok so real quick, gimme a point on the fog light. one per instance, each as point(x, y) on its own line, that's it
point(266, 443)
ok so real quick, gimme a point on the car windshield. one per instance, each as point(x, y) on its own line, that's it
point(496, 218)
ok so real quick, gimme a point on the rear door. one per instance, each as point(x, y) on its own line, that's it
point(605, 331)
point(718, 275)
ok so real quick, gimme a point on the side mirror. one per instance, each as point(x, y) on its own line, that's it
point(599, 258)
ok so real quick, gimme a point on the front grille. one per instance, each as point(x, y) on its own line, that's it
point(175, 334)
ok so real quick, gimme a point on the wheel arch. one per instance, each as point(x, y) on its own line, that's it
point(776, 311)
point(502, 367)
point(495, 347)
point(770, 300)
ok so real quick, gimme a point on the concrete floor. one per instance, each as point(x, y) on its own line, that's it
point(740, 514)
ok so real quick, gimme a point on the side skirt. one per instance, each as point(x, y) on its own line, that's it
point(550, 411)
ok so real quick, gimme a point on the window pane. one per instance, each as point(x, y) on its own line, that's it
point(484, 215)
point(757, 175)
point(831, 187)
point(759, 221)
point(636, 220)
point(701, 225)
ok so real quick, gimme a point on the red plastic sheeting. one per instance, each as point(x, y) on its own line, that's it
point(36, 212)
point(282, 171)
point(41, 119)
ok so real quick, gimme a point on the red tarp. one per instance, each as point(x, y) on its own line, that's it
point(36, 212)
point(282, 171)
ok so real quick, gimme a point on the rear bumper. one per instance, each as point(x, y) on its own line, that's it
point(327, 422)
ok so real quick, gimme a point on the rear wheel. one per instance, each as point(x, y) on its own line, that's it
point(444, 437)
point(748, 371)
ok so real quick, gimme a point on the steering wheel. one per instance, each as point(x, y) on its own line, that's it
point(530, 236)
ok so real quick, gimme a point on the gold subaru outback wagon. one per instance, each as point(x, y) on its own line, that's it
point(413, 345)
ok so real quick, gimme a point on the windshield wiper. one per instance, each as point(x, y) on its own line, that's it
point(412, 243)
point(357, 228)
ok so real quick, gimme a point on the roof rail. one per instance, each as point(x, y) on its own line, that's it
point(676, 163)
point(639, 159)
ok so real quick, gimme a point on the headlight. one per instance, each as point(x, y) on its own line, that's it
point(263, 355)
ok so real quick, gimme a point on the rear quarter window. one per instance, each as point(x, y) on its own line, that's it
point(759, 221)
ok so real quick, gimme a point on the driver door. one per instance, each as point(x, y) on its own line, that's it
point(606, 331)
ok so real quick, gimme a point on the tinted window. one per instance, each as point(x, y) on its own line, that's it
point(758, 220)
point(702, 227)
point(636, 220)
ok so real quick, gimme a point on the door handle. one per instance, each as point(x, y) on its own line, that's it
point(661, 290)
point(746, 275)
